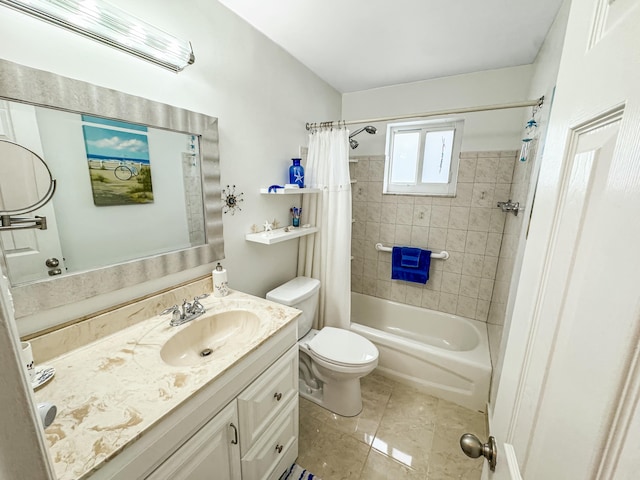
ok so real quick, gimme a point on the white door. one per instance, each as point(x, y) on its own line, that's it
point(27, 251)
point(568, 404)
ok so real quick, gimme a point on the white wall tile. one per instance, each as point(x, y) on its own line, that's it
point(469, 286)
point(374, 211)
point(388, 212)
point(482, 310)
point(494, 241)
point(483, 195)
point(486, 289)
point(476, 242)
point(376, 170)
point(414, 295)
point(505, 170)
point(383, 289)
point(437, 238)
point(403, 235)
point(450, 283)
point(453, 264)
point(489, 267)
point(421, 215)
point(467, 169)
point(430, 299)
point(464, 194)
point(420, 237)
point(459, 218)
point(440, 216)
point(448, 303)
point(472, 264)
point(456, 240)
point(479, 219)
point(467, 307)
point(404, 214)
point(487, 170)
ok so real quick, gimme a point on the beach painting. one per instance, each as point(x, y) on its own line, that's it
point(118, 160)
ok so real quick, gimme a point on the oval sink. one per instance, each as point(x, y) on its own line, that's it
point(210, 337)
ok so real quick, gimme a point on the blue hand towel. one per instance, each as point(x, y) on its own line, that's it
point(410, 257)
point(407, 273)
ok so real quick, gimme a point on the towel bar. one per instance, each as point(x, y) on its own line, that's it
point(443, 254)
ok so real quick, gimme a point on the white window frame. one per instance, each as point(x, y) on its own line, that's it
point(422, 188)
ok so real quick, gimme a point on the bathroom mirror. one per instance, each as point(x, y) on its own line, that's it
point(25, 180)
point(68, 106)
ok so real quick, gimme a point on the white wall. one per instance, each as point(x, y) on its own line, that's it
point(261, 95)
point(496, 130)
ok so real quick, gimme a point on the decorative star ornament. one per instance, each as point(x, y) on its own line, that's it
point(267, 226)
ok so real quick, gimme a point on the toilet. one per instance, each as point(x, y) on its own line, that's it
point(332, 360)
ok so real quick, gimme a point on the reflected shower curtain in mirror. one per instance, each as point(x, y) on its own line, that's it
point(327, 254)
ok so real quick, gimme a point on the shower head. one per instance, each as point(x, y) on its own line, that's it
point(369, 129)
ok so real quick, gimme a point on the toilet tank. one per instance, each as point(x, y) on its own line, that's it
point(301, 293)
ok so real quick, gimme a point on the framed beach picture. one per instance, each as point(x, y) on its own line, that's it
point(118, 160)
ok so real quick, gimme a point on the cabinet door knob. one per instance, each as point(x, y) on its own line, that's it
point(277, 396)
point(235, 434)
point(279, 448)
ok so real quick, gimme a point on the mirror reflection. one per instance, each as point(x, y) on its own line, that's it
point(124, 192)
point(25, 180)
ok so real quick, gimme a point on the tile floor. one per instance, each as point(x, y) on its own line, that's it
point(400, 434)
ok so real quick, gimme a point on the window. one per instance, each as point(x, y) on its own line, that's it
point(422, 157)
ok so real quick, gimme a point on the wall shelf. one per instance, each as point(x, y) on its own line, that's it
point(279, 235)
point(289, 191)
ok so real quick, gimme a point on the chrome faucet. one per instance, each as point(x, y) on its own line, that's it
point(185, 312)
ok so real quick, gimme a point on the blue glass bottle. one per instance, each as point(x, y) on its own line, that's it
point(296, 173)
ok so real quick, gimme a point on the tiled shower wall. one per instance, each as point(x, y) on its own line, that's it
point(468, 226)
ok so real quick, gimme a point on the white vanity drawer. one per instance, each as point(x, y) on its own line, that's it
point(276, 450)
point(264, 399)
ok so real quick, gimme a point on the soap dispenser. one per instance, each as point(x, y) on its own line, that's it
point(220, 287)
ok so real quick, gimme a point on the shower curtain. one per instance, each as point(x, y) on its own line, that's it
point(327, 254)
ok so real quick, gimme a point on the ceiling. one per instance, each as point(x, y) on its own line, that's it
point(361, 44)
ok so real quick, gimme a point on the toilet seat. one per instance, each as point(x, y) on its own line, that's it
point(343, 348)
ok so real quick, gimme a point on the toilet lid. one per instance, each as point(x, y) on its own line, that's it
point(343, 346)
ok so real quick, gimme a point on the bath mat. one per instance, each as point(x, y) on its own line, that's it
point(296, 472)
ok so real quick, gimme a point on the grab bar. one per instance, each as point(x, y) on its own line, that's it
point(443, 254)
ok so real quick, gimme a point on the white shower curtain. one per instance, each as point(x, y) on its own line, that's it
point(327, 254)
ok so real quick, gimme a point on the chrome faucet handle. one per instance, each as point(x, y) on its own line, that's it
point(196, 305)
point(173, 309)
point(176, 316)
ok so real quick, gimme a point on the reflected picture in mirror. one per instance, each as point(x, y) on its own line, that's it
point(118, 161)
point(111, 219)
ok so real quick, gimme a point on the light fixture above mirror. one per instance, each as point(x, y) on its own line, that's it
point(108, 24)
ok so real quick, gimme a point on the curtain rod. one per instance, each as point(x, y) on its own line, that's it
point(502, 106)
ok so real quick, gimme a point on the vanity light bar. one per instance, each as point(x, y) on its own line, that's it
point(108, 24)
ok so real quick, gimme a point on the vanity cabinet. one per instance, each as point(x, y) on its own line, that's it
point(255, 437)
point(268, 411)
point(209, 454)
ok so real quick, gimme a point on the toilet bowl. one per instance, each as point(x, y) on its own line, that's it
point(332, 360)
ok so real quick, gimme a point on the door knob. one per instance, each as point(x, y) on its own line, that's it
point(473, 447)
point(55, 271)
point(52, 262)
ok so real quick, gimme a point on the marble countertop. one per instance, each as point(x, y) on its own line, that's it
point(111, 391)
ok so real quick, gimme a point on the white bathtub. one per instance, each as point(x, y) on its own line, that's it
point(441, 354)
